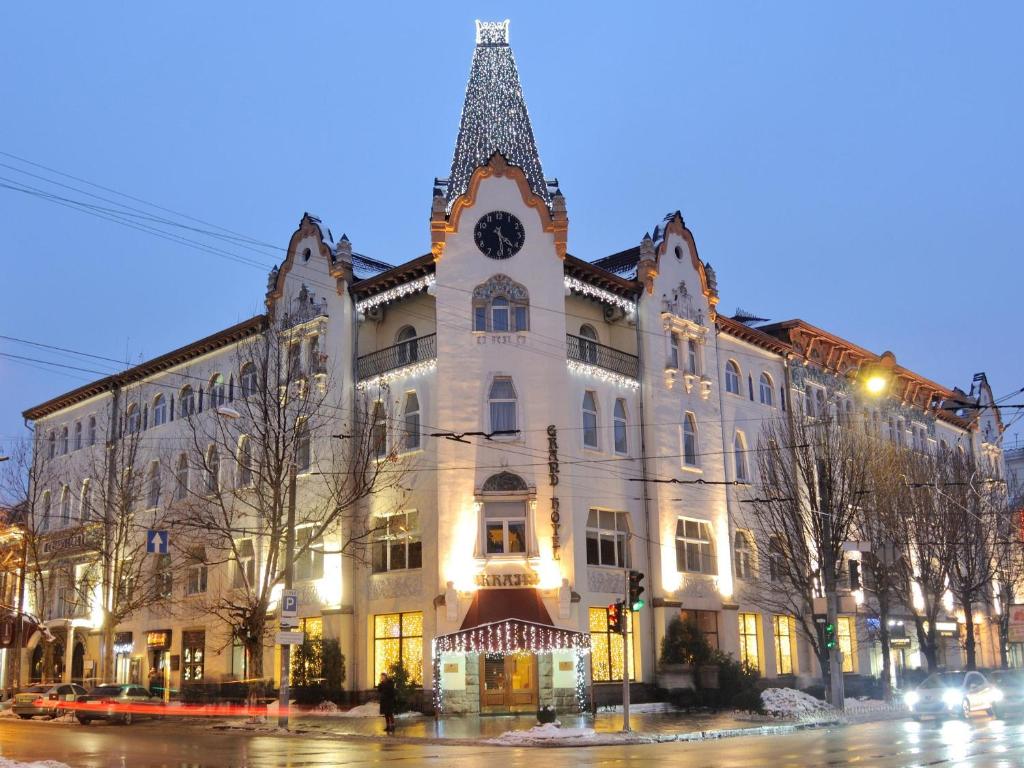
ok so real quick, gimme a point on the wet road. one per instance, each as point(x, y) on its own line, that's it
point(164, 744)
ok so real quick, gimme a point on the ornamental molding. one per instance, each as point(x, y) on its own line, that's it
point(602, 374)
point(689, 329)
point(592, 291)
point(392, 585)
point(501, 285)
point(708, 280)
point(398, 292)
point(599, 580)
point(308, 227)
point(416, 369)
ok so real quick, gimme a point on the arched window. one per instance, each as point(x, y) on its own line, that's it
point(63, 440)
point(78, 435)
point(159, 410)
point(85, 502)
point(766, 389)
point(739, 448)
point(133, 419)
point(689, 440)
point(502, 405)
point(819, 403)
point(44, 524)
point(673, 351)
point(244, 462)
point(51, 448)
point(732, 377)
point(303, 453)
point(405, 340)
point(501, 305)
point(692, 365)
point(379, 434)
point(153, 486)
point(412, 422)
point(619, 422)
point(505, 521)
point(588, 343)
point(590, 420)
point(65, 505)
point(92, 431)
point(212, 470)
point(218, 391)
point(248, 380)
point(186, 401)
point(181, 478)
point(750, 387)
point(743, 555)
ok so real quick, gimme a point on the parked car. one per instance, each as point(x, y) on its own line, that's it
point(117, 703)
point(959, 694)
point(1011, 683)
point(45, 699)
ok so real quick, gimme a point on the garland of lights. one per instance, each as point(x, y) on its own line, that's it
point(393, 294)
point(575, 366)
point(577, 285)
point(415, 369)
point(512, 636)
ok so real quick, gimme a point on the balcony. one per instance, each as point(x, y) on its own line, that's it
point(406, 353)
point(590, 352)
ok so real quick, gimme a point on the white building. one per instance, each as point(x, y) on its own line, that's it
point(563, 389)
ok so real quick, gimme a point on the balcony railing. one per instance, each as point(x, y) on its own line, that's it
point(590, 352)
point(399, 355)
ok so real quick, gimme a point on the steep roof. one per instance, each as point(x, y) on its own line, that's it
point(494, 116)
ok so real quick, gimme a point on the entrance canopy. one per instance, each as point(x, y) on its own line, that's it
point(9, 619)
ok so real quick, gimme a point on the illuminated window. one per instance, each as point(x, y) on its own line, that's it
point(396, 542)
point(398, 638)
point(748, 640)
point(505, 528)
point(607, 649)
point(606, 538)
point(783, 629)
point(845, 636)
point(193, 656)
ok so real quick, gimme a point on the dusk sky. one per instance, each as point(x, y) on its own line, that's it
point(857, 167)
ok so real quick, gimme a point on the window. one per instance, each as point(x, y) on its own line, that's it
point(607, 534)
point(245, 564)
point(248, 380)
point(163, 579)
point(412, 422)
point(750, 386)
point(607, 655)
point(309, 563)
point(502, 401)
point(588, 343)
point(181, 478)
point(809, 405)
point(694, 550)
point(398, 638)
point(51, 448)
point(244, 462)
point(192, 656)
point(63, 440)
point(316, 363)
point(212, 470)
point(673, 351)
point(782, 626)
point(65, 505)
point(153, 486)
point(396, 542)
point(133, 419)
point(691, 357)
point(706, 623)
point(845, 637)
point(85, 502)
point(777, 567)
point(379, 432)
point(501, 305)
point(739, 449)
point(619, 423)
point(505, 527)
point(186, 401)
point(589, 420)
point(689, 440)
point(748, 640)
point(159, 410)
point(196, 573)
point(302, 447)
point(92, 431)
point(218, 391)
point(294, 361)
point(732, 378)
point(819, 403)
point(78, 435)
point(45, 523)
point(406, 343)
point(766, 389)
point(743, 555)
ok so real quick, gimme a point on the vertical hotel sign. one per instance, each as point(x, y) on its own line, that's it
point(556, 516)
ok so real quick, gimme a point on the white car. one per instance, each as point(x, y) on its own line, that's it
point(960, 694)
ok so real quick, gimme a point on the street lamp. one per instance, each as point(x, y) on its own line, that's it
point(877, 376)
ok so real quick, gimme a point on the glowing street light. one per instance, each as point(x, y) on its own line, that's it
point(877, 377)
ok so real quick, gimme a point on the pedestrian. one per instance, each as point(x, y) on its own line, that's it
point(387, 695)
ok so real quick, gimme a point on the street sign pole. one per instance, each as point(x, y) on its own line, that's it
point(625, 652)
point(289, 568)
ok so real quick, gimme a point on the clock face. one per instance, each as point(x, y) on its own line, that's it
point(499, 235)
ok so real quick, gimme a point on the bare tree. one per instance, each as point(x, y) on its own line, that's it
point(813, 474)
point(1008, 558)
point(235, 468)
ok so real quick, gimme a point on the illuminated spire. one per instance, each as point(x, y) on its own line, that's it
point(494, 116)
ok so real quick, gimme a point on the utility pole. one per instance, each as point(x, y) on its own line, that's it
point(289, 574)
point(19, 629)
point(626, 622)
point(835, 653)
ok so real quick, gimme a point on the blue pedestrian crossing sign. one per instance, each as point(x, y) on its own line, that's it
point(157, 542)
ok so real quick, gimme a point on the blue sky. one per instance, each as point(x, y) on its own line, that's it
point(857, 166)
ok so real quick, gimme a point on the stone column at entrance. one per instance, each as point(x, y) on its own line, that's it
point(69, 652)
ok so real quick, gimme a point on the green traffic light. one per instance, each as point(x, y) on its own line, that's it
point(638, 605)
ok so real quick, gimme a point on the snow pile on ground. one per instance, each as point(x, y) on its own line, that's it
point(869, 705)
point(369, 709)
point(789, 702)
point(542, 733)
point(327, 706)
point(8, 763)
point(653, 707)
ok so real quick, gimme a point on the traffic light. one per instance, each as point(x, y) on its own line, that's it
point(616, 617)
point(635, 590)
point(830, 635)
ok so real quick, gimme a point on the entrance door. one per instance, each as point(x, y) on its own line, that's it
point(508, 682)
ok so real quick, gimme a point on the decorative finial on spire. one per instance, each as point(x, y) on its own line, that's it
point(492, 32)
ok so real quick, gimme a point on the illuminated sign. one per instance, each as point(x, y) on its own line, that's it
point(556, 516)
point(158, 640)
point(527, 579)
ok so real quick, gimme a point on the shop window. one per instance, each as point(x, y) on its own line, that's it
point(608, 648)
point(782, 627)
point(396, 542)
point(607, 534)
point(847, 642)
point(749, 651)
point(706, 622)
point(398, 638)
point(193, 656)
